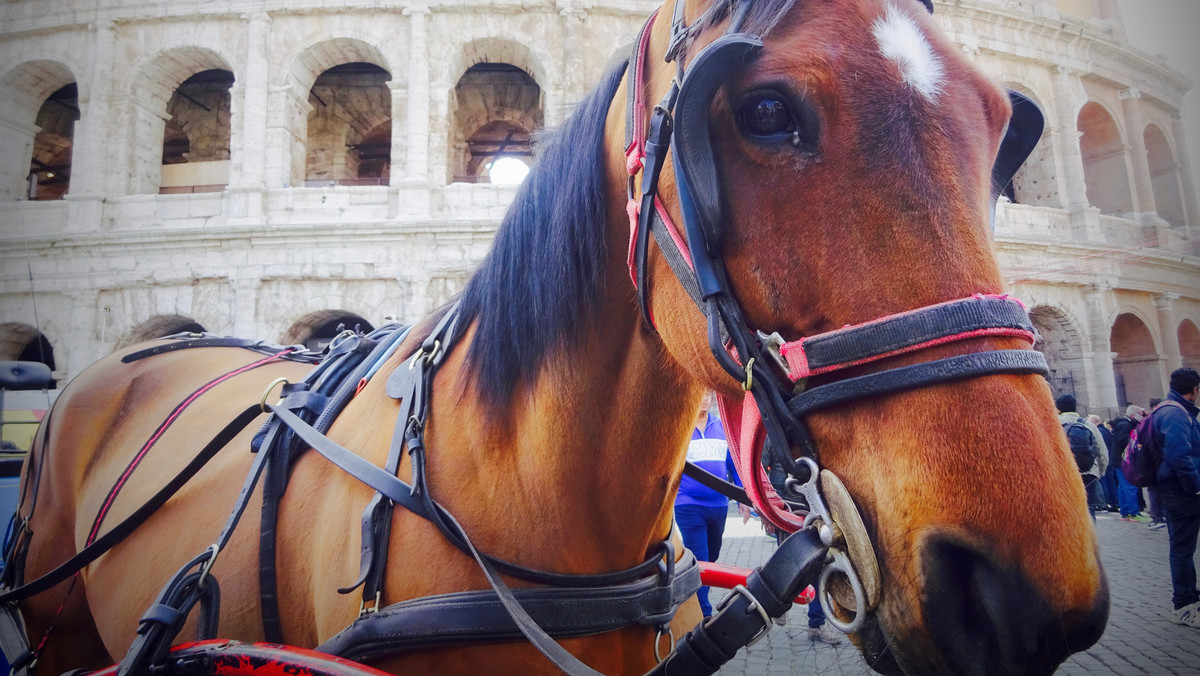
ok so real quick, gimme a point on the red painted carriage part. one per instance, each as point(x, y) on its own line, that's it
point(728, 577)
point(234, 658)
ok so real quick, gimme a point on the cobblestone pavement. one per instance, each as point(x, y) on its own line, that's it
point(1139, 638)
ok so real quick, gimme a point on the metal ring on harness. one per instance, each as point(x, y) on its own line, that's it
point(262, 403)
point(841, 564)
point(658, 639)
point(207, 565)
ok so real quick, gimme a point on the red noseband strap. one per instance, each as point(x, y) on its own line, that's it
point(977, 316)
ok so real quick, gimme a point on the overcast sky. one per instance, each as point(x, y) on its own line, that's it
point(1172, 28)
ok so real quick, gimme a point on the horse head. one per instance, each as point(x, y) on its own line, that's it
point(838, 159)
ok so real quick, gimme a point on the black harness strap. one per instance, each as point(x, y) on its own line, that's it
point(129, 524)
point(716, 483)
point(470, 617)
point(746, 614)
point(187, 341)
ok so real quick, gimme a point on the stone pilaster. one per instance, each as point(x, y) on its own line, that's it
point(16, 140)
point(245, 313)
point(253, 147)
point(1067, 92)
point(1168, 327)
point(1102, 383)
point(416, 128)
point(397, 167)
point(1139, 165)
point(90, 153)
point(1190, 208)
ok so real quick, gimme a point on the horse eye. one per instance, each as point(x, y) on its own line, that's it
point(765, 115)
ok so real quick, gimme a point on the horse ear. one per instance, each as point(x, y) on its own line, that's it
point(1023, 133)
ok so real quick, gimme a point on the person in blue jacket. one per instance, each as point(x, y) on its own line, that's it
point(1177, 433)
point(701, 511)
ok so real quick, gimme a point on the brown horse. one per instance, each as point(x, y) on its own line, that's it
point(853, 156)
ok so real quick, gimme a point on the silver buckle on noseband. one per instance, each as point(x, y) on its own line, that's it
point(754, 605)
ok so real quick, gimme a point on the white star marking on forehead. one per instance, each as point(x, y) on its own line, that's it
point(901, 40)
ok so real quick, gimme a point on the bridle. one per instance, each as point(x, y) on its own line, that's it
point(772, 370)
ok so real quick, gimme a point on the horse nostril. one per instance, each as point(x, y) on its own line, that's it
point(990, 620)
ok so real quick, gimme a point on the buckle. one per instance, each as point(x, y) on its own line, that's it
point(754, 605)
point(773, 345)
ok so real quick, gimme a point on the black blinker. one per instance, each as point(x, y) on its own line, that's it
point(1024, 131)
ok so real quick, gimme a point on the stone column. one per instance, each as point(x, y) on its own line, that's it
point(16, 141)
point(287, 106)
point(146, 167)
point(245, 319)
point(90, 156)
point(252, 148)
point(574, 72)
point(1102, 382)
point(1188, 187)
point(1169, 328)
point(1139, 164)
point(416, 128)
point(1065, 96)
point(1067, 92)
point(397, 168)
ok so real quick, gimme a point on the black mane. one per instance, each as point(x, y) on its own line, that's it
point(539, 285)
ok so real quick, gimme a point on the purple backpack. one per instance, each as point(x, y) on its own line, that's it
point(1143, 455)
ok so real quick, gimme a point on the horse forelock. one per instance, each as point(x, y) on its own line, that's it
point(540, 284)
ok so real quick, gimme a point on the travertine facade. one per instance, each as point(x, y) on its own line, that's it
point(340, 175)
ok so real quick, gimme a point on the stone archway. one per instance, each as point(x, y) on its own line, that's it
point(1137, 366)
point(38, 109)
point(315, 329)
point(349, 126)
point(22, 342)
point(154, 100)
point(1189, 343)
point(1104, 167)
point(196, 138)
point(497, 108)
point(1164, 177)
point(1062, 345)
point(160, 326)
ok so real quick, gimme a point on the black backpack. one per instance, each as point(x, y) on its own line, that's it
point(1080, 438)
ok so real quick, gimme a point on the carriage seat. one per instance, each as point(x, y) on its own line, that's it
point(24, 375)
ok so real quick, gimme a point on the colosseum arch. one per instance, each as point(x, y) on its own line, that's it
point(315, 329)
point(308, 110)
point(152, 91)
point(1036, 182)
point(196, 138)
point(495, 110)
point(1189, 343)
point(22, 342)
point(1164, 176)
point(159, 326)
point(38, 108)
point(1104, 167)
point(1136, 361)
point(349, 135)
point(1061, 343)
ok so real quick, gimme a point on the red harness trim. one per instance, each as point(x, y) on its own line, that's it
point(746, 433)
point(798, 360)
point(162, 428)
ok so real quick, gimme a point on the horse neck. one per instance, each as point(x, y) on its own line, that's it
point(589, 455)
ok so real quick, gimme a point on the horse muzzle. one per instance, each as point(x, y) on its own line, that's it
point(986, 617)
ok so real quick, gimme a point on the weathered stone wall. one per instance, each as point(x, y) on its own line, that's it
point(266, 254)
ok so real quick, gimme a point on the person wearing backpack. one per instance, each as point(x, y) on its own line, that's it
point(1087, 447)
point(1177, 433)
point(1127, 493)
